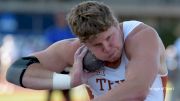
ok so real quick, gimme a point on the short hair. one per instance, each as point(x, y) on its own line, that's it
point(89, 18)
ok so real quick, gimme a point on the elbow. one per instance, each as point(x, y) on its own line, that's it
point(141, 96)
point(138, 93)
point(141, 91)
point(14, 75)
point(9, 76)
point(135, 95)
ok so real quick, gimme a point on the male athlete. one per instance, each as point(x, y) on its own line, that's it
point(132, 51)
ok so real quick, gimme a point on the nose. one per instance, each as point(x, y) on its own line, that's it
point(106, 47)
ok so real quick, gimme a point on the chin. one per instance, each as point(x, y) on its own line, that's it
point(116, 58)
point(112, 60)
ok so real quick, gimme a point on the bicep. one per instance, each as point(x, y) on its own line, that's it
point(142, 50)
point(53, 58)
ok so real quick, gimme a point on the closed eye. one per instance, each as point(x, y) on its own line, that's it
point(97, 44)
point(108, 37)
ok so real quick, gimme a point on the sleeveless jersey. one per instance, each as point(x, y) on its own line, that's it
point(107, 78)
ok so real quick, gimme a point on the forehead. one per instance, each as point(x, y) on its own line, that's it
point(102, 36)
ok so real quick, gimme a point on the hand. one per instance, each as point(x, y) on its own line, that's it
point(78, 76)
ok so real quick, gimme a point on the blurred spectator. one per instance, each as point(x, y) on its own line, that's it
point(55, 33)
point(171, 54)
point(173, 63)
point(59, 31)
point(0, 67)
point(177, 45)
point(8, 26)
point(8, 23)
point(8, 55)
point(176, 82)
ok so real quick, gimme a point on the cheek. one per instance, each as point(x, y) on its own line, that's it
point(117, 42)
point(98, 53)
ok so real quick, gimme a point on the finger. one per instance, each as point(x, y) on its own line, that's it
point(83, 52)
point(78, 51)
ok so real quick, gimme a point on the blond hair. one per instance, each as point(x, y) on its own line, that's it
point(89, 18)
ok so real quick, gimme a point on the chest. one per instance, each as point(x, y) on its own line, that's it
point(107, 78)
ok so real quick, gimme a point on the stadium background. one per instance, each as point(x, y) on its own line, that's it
point(23, 24)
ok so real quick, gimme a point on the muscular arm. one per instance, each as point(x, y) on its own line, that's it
point(54, 59)
point(142, 50)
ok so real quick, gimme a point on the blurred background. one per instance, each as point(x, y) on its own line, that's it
point(28, 26)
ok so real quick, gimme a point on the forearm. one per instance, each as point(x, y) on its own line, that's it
point(37, 77)
point(28, 72)
point(135, 87)
point(128, 91)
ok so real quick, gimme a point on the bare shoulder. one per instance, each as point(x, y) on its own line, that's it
point(142, 29)
point(66, 44)
point(66, 49)
point(59, 55)
point(145, 40)
point(142, 37)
